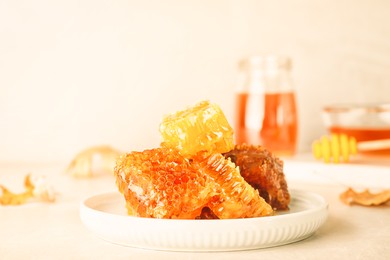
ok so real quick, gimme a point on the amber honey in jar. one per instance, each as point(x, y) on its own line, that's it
point(266, 111)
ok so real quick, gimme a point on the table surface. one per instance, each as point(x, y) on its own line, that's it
point(39, 230)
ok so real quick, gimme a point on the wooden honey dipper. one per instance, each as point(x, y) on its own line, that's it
point(338, 147)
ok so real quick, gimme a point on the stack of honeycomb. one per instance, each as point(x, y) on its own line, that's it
point(188, 172)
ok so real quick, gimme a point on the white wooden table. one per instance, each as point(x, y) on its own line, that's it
point(54, 230)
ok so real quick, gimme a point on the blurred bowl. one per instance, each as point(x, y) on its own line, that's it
point(363, 121)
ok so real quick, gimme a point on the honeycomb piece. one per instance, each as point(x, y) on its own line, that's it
point(202, 127)
point(161, 183)
point(263, 171)
point(236, 198)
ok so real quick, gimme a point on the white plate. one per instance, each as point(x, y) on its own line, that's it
point(105, 215)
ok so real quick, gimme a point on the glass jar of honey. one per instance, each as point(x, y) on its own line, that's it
point(266, 112)
point(361, 120)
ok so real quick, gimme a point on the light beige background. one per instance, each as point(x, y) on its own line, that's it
point(79, 73)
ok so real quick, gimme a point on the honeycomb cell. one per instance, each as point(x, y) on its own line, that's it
point(263, 171)
point(235, 197)
point(202, 127)
point(162, 183)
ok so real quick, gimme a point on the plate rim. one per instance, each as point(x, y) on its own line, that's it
point(154, 236)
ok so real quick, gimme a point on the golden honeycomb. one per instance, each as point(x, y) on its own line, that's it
point(202, 127)
point(235, 197)
point(162, 183)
